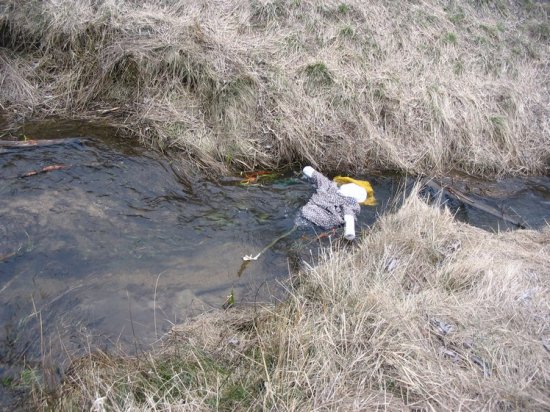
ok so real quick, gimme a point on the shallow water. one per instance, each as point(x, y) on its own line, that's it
point(526, 199)
point(113, 248)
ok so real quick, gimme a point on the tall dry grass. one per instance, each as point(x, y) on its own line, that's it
point(425, 314)
point(424, 86)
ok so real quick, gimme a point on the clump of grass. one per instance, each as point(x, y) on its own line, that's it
point(426, 313)
point(268, 11)
point(540, 30)
point(457, 17)
point(225, 85)
point(319, 73)
point(347, 31)
point(450, 38)
point(343, 8)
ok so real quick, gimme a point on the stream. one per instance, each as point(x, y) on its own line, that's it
point(103, 245)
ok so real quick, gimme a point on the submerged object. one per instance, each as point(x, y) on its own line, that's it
point(332, 205)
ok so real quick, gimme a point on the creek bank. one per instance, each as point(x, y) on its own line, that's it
point(252, 84)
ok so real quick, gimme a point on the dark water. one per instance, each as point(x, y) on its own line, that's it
point(524, 199)
point(113, 248)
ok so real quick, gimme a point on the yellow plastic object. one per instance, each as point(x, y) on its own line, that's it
point(371, 201)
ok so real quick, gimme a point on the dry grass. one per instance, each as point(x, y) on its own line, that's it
point(425, 314)
point(349, 86)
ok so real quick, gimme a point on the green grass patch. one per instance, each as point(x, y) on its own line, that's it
point(344, 8)
point(457, 17)
point(540, 30)
point(319, 73)
point(458, 67)
point(263, 13)
point(450, 38)
point(347, 31)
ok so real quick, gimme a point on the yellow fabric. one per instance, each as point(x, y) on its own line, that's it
point(371, 201)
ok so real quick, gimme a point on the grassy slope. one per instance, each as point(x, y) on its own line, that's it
point(426, 313)
point(418, 86)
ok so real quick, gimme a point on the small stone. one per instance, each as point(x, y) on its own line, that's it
point(392, 264)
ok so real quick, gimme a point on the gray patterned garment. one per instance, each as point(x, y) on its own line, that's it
point(327, 207)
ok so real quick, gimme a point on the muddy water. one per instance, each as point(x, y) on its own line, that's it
point(110, 248)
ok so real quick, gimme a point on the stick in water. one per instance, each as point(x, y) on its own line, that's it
point(250, 257)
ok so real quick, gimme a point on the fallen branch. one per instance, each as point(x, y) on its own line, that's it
point(250, 257)
point(45, 169)
point(32, 143)
point(519, 222)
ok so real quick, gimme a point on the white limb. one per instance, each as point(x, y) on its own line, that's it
point(349, 232)
point(308, 171)
point(250, 257)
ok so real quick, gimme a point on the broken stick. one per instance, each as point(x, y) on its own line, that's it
point(476, 203)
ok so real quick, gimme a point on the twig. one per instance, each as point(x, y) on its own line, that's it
point(250, 257)
point(44, 170)
point(155, 305)
point(132, 321)
point(105, 111)
point(32, 143)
